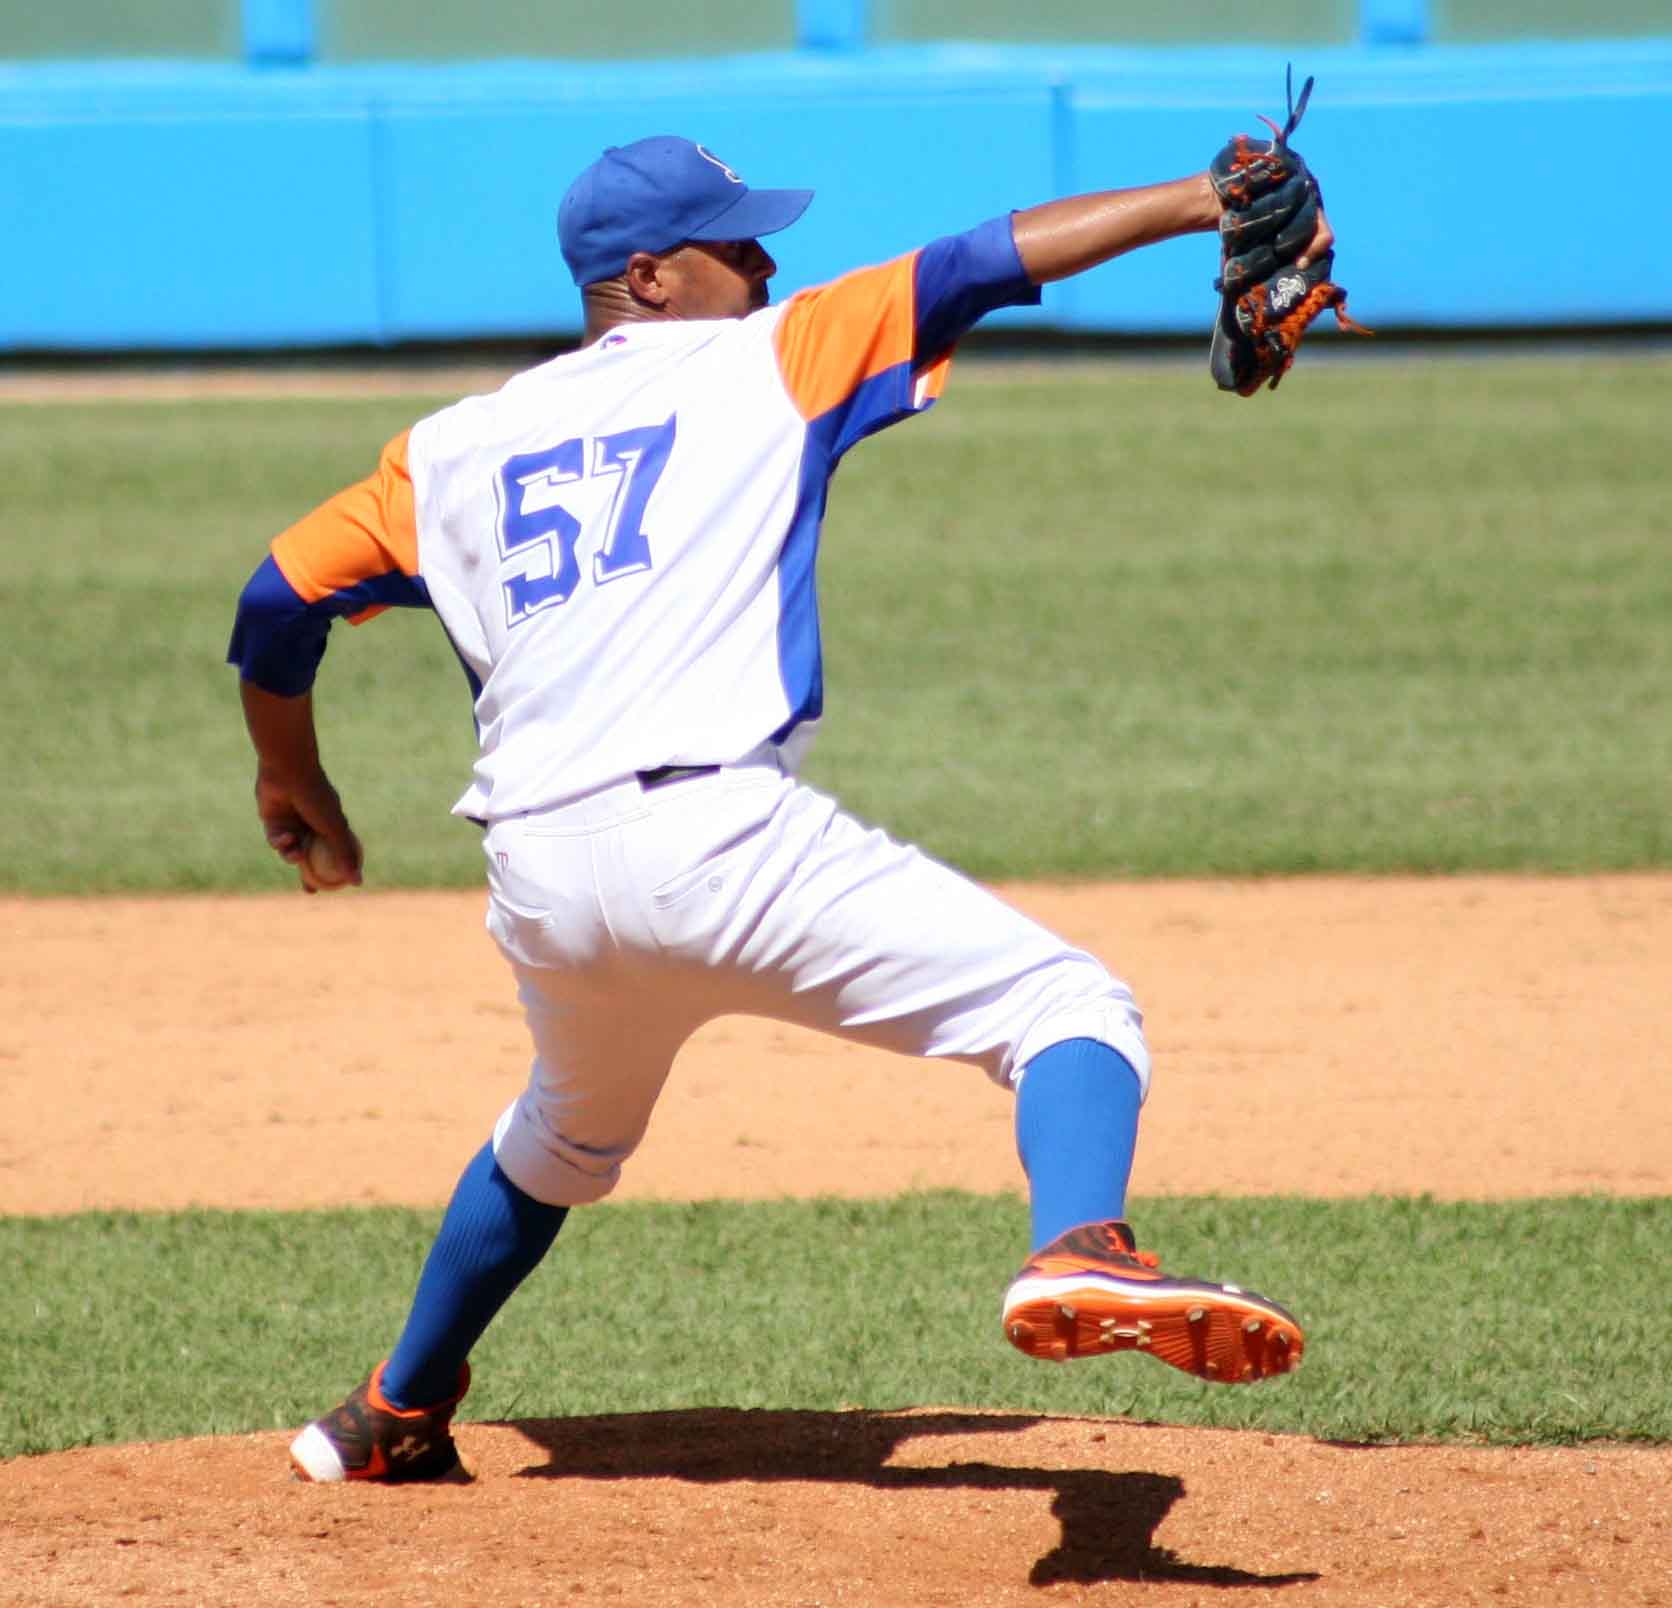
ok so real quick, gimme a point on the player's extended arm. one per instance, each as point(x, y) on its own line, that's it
point(1078, 232)
point(293, 795)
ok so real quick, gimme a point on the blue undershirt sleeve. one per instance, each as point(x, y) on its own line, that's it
point(961, 278)
point(278, 639)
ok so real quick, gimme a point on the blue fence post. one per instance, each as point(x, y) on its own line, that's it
point(1393, 22)
point(278, 33)
point(832, 24)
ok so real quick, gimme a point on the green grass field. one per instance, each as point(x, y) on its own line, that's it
point(1475, 1322)
point(1407, 616)
point(1086, 621)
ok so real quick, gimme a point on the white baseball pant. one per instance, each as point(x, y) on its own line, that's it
point(634, 915)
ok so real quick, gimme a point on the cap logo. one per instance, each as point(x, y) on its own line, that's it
point(708, 156)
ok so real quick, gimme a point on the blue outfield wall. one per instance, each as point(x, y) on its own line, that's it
point(170, 206)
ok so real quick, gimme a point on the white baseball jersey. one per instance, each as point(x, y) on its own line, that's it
point(621, 545)
point(621, 542)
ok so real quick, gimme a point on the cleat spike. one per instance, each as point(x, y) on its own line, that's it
point(1252, 1326)
point(1067, 1312)
point(1196, 1314)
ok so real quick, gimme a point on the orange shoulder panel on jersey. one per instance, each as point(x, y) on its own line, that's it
point(369, 529)
point(834, 338)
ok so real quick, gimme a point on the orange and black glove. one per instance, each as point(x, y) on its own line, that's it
point(1272, 207)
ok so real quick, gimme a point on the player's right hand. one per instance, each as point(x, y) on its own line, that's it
point(292, 808)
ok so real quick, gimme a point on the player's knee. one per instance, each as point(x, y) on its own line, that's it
point(1086, 1003)
point(546, 1167)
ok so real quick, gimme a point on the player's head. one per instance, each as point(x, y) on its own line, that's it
point(693, 220)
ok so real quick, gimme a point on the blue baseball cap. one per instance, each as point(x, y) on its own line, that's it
point(654, 194)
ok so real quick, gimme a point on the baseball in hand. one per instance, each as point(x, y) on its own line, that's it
point(321, 868)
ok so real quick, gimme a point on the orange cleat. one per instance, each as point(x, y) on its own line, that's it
point(1091, 1291)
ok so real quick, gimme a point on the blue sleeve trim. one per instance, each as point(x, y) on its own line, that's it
point(963, 277)
point(394, 590)
point(278, 640)
point(876, 403)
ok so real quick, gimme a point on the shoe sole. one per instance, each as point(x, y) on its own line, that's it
point(1218, 1332)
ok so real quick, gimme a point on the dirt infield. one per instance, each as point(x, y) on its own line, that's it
point(1329, 1037)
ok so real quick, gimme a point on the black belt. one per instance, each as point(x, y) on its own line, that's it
point(663, 774)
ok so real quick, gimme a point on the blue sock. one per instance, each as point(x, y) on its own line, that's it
point(491, 1239)
point(1076, 1129)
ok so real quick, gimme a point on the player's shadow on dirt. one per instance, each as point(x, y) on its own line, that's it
point(1108, 1520)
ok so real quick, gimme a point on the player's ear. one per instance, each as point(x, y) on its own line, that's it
point(646, 278)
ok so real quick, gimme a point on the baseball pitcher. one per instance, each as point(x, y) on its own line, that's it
point(621, 545)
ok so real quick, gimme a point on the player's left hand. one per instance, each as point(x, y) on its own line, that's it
point(1274, 212)
point(1277, 252)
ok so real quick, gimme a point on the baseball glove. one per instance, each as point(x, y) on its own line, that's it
point(1266, 299)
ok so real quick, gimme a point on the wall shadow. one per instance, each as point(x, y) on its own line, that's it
point(1108, 1519)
